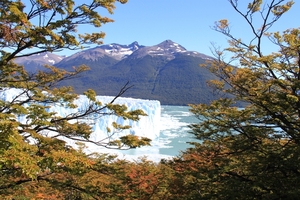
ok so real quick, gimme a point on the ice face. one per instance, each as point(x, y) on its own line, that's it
point(147, 126)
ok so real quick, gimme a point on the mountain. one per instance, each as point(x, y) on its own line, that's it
point(166, 72)
point(112, 51)
point(37, 61)
point(168, 49)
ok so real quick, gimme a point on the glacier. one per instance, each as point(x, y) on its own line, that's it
point(148, 126)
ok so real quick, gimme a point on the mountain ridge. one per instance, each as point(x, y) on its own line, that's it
point(166, 72)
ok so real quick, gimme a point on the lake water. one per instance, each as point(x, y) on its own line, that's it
point(173, 138)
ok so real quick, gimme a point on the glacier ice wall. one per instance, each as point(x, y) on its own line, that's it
point(147, 126)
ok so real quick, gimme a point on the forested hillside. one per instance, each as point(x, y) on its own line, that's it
point(166, 72)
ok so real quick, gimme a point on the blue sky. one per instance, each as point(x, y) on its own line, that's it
point(187, 22)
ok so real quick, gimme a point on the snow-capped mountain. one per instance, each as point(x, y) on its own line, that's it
point(167, 72)
point(35, 62)
point(121, 51)
point(114, 51)
point(168, 49)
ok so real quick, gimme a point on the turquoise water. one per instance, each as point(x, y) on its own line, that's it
point(174, 135)
point(177, 133)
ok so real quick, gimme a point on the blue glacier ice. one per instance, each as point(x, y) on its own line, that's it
point(147, 126)
point(166, 126)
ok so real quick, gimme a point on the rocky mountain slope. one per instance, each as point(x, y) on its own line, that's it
point(37, 61)
point(167, 72)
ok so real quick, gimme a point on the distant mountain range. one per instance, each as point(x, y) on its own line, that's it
point(36, 61)
point(166, 72)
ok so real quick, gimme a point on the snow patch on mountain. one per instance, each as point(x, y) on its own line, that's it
point(46, 58)
point(118, 51)
point(167, 48)
point(51, 61)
